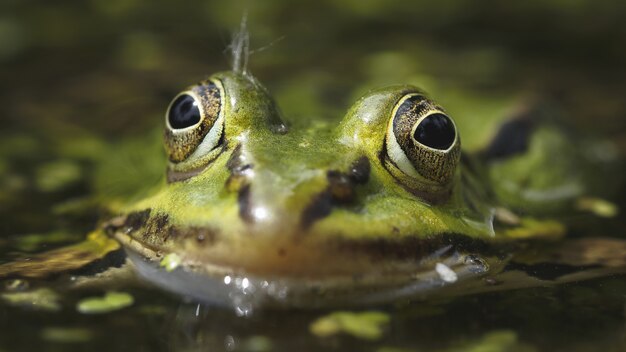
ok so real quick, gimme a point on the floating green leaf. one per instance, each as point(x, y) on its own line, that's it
point(363, 325)
point(56, 175)
point(600, 207)
point(110, 302)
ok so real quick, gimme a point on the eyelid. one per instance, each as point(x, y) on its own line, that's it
point(397, 155)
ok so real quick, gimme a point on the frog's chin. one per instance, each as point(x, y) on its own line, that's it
point(245, 293)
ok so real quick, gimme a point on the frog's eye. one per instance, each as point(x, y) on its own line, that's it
point(194, 124)
point(422, 141)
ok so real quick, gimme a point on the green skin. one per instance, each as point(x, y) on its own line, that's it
point(295, 205)
point(289, 174)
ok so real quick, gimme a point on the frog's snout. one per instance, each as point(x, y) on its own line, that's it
point(269, 201)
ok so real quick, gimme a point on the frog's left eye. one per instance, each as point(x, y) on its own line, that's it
point(194, 124)
point(422, 141)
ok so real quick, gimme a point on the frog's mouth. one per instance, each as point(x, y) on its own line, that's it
point(243, 292)
point(311, 275)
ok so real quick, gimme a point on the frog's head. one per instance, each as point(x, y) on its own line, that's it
point(376, 194)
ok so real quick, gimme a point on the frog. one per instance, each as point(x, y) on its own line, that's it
point(378, 206)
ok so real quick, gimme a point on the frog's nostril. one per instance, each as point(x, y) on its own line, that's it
point(340, 186)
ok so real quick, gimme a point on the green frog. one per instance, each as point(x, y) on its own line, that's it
point(260, 210)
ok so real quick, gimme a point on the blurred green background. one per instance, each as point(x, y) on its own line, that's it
point(117, 63)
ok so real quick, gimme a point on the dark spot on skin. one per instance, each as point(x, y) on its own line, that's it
point(136, 220)
point(245, 208)
point(512, 138)
point(114, 259)
point(319, 208)
point(282, 252)
point(548, 271)
point(360, 170)
point(157, 227)
point(160, 221)
point(158, 230)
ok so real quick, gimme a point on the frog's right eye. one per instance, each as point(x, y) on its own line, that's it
point(195, 124)
point(423, 143)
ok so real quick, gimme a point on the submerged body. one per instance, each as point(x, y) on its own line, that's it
point(379, 206)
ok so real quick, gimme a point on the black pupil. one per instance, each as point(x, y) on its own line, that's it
point(184, 112)
point(436, 131)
